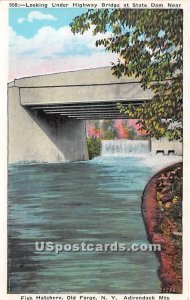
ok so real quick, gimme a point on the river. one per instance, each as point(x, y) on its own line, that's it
point(98, 201)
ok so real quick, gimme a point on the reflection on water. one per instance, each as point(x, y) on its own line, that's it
point(96, 202)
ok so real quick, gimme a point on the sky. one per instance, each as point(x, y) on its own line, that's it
point(41, 42)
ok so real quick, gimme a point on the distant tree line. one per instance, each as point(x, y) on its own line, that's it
point(113, 129)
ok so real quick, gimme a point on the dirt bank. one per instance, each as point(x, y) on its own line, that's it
point(162, 213)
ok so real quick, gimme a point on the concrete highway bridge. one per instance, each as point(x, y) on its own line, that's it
point(47, 113)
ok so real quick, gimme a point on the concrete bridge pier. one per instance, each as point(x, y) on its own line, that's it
point(37, 137)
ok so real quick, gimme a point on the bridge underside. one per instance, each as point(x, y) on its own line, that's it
point(47, 113)
point(87, 111)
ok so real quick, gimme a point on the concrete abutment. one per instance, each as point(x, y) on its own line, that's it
point(166, 147)
point(37, 137)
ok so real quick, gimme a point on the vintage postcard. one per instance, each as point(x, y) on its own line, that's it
point(95, 105)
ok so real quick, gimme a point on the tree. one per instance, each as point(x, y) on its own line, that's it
point(149, 44)
point(109, 132)
point(94, 146)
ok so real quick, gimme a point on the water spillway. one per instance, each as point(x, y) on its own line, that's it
point(124, 147)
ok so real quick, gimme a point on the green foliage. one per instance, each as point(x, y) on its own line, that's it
point(149, 44)
point(97, 125)
point(109, 132)
point(94, 147)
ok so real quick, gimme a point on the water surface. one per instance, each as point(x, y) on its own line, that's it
point(95, 202)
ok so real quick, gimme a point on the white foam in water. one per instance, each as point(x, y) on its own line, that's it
point(124, 147)
point(157, 162)
point(111, 149)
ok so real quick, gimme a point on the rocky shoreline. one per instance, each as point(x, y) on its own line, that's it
point(162, 214)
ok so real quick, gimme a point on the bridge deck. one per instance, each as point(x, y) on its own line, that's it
point(85, 94)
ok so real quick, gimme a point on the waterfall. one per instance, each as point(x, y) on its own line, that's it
point(124, 147)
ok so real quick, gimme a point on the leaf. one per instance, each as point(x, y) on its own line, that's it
point(143, 51)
